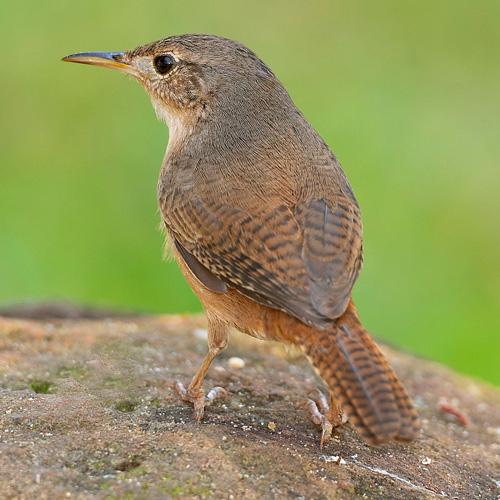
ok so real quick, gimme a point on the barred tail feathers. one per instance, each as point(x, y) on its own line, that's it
point(360, 378)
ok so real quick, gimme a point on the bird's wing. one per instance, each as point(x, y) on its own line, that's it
point(302, 260)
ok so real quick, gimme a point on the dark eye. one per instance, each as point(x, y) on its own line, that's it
point(164, 63)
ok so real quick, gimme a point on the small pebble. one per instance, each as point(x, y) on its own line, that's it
point(200, 333)
point(235, 362)
point(426, 461)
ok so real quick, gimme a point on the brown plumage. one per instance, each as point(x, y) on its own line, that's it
point(263, 222)
point(362, 381)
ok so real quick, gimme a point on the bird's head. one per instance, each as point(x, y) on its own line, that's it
point(188, 76)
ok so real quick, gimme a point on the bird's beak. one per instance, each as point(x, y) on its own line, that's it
point(113, 60)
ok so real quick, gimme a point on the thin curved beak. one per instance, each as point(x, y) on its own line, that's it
point(113, 60)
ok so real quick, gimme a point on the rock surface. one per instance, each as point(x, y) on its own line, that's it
point(87, 411)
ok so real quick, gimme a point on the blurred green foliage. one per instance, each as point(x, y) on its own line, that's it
point(406, 93)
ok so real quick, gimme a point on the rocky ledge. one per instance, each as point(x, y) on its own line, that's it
point(87, 411)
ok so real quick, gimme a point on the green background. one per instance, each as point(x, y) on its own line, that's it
point(406, 93)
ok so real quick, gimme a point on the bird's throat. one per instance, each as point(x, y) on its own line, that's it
point(179, 127)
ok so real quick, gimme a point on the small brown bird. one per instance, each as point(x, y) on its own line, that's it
point(263, 224)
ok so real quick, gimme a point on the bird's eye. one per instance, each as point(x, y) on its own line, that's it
point(164, 63)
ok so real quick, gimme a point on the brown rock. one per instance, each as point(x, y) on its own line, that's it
point(86, 410)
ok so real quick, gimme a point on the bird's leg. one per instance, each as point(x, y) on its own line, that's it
point(324, 414)
point(217, 342)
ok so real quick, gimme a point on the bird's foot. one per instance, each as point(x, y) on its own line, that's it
point(324, 415)
point(198, 398)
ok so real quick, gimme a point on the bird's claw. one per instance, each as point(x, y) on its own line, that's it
point(198, 398)
point(321, 414)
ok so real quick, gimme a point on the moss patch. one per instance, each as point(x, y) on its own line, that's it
point(41, 386)
point(126, 406)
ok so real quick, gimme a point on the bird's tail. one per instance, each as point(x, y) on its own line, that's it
point(360, 378)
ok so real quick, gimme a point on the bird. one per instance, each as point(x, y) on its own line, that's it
point(264, 225)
